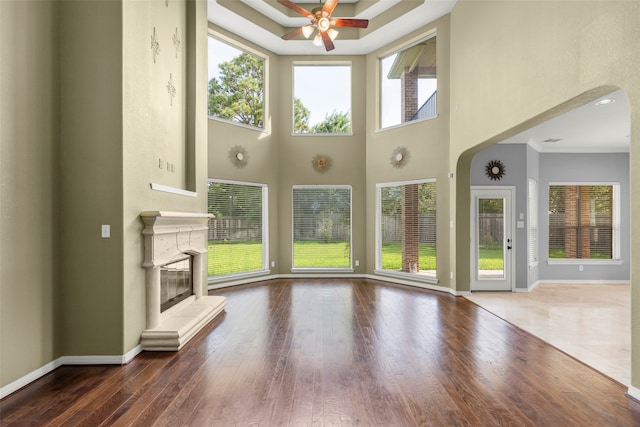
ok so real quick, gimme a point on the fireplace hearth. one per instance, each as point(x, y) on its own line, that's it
point(177, 303)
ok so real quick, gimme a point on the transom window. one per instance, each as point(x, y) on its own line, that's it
point(322, 227)
point(237, 232)
point(322, 99)
point(236, 84)
point(409, 84)
point(584, 221)
point(406, 228)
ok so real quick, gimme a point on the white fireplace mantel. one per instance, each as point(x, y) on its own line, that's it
point(167, 237)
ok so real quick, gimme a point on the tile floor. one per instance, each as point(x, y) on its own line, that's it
point(591, 322)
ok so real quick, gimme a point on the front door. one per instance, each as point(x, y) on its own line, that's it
point(491, 238)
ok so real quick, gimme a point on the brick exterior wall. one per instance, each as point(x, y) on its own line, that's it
point(410, 229)
point(409, 83)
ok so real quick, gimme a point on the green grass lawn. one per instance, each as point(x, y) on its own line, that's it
point(234, 257)
point(323, 255)
point(392, 256)
point(560, 253)
point(491, 259)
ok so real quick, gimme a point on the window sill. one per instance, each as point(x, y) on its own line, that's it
point(584, 261)
point(411, 122)
point(418, 277)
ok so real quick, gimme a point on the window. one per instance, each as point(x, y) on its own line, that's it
point(236, 84)
point(321, 227)
point(406, 228)
point(322, 99)
point(584, 221)
point(237, 233)
point(532, 229)
point(408, 84)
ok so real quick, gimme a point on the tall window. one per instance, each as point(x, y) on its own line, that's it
point(406, 228)
point(322, 99)
point(236, 84)
point(237, 233)
point(532, 228)
point(408, 84)
point(321, 227)
point(584, 221)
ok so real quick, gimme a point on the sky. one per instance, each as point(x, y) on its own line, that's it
point(325, 88)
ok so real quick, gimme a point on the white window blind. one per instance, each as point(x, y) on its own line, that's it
point(407, 231)
point(532, 227)
point(236, 237)
point(322, 227)
point(584, 221)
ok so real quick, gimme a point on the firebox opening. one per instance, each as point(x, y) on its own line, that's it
point(176, 282)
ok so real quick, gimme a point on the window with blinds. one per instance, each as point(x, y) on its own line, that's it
point(583, 221)
point(321, 227)
point(532, 227)
point(237, 236)
point(406, 228)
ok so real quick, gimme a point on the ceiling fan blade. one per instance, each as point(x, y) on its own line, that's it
point(291, 5)
point(350, 22)
point(329, 5)
point(328, 43)
point(292, 34)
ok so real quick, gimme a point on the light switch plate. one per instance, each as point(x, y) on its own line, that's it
point(106, 231)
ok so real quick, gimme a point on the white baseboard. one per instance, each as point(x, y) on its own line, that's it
point(67, 360)
point(633, 393)
point(586, 282)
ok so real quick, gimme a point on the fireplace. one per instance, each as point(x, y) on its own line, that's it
point(176, 282)
point(177, 304)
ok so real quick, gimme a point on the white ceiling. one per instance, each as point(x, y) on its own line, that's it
point(590, 128)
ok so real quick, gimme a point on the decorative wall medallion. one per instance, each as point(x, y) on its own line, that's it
point(171, 89)
point(176, 42)
point(238, 156)
point(495, 170)
point(399, 157)
point(155, 45)
point(321, 163)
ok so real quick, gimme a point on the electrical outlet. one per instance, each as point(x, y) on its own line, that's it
point(357, 263)
point(161, 163)
point(580, 268)
point(273, 263)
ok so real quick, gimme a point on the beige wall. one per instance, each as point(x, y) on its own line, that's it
point(29, 187)
point(515, 64)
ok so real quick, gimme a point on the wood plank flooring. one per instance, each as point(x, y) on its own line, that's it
point(336, 352)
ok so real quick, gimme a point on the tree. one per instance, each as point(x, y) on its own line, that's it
point(238, 94)
point(334, 123)
point(300, 117)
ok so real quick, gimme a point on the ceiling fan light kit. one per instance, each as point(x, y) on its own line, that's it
point(321, 21)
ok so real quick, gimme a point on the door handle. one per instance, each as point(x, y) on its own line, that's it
point(508, 245)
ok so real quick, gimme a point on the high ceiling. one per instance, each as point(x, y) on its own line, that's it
point(264, 22)
point(590, 128)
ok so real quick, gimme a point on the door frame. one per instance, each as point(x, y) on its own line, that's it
point(510, 257)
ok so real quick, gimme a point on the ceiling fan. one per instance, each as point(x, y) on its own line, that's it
point(322, 21)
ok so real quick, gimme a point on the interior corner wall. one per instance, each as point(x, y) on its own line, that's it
point(427, 142)
point(525, 62)
point(164, 132)
point(533, 172)
point(91, 176)
point(29, 187)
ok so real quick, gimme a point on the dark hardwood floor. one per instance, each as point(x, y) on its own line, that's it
point(336, 352)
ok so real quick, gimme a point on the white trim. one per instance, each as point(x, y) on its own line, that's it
point(212, 280)
point(633, 393)
point(321, 270)
point(173, 190)
point(233, 181)
point(585, 261)
point(586, 282)
point(423, 278)
point(67, 360)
